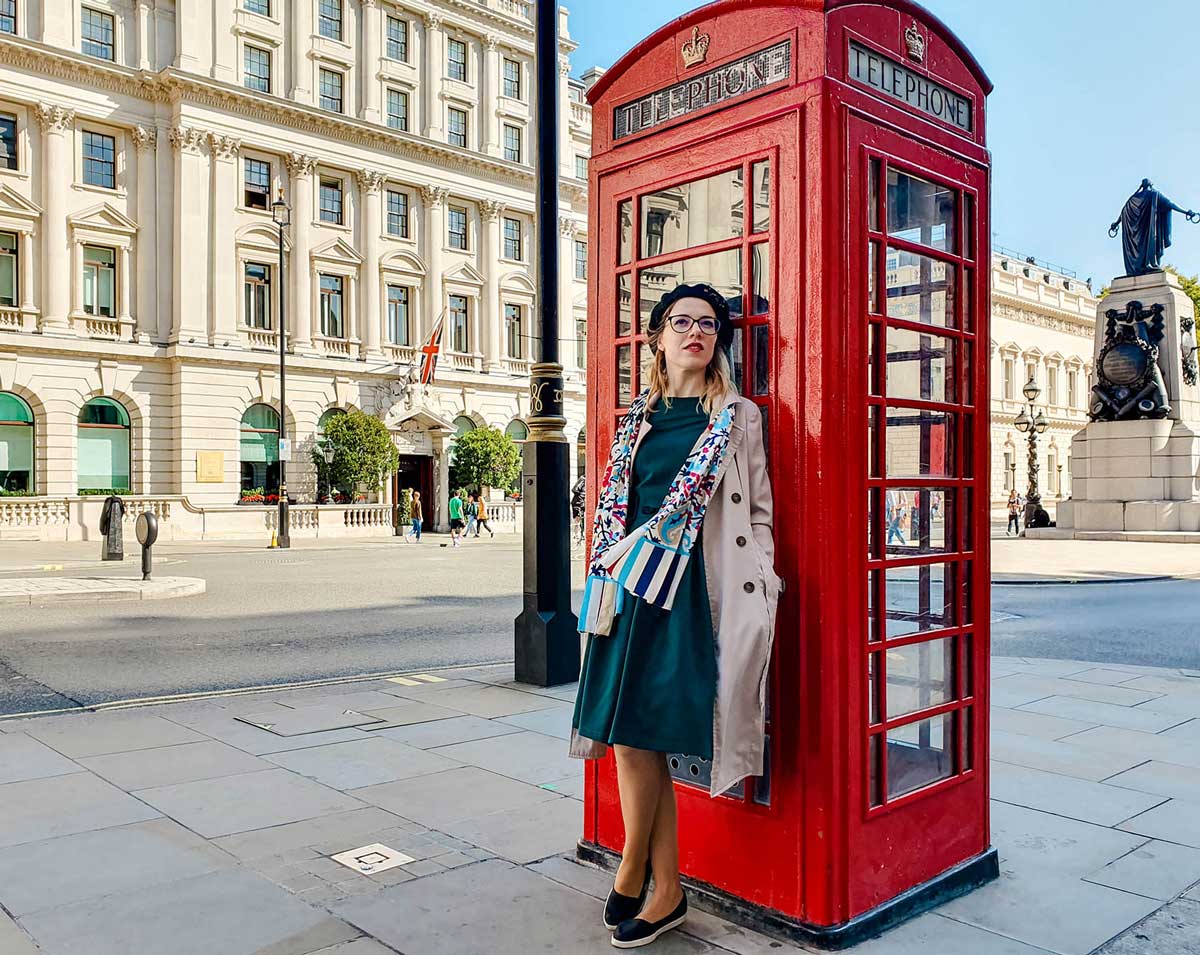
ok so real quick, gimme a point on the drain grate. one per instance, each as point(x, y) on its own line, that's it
point(368, 860)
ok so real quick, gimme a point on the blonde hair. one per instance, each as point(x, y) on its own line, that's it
point(718, 379)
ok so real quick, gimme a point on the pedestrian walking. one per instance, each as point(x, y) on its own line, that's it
point(1014, 514)
point(481, 519)
point(456, 519)
point(895, 506)
point(416, 517)
point(472, 511)
point(694, 501)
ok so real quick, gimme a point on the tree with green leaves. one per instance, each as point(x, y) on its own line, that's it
point(486, 457)
point(1191, 285)
point(363, 453)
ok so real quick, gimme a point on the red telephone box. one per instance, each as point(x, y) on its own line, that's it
point(823, 164)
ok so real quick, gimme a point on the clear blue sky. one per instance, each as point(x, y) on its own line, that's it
point(1091, 96)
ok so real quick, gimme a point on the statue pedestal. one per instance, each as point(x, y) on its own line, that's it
point(1138, 477)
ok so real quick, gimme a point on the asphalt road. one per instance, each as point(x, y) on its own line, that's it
point(382, 607)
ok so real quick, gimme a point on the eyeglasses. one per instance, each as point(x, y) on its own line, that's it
point(683, 324)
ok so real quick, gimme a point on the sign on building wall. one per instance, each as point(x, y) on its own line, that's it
point(210, 467)
point(914, 90)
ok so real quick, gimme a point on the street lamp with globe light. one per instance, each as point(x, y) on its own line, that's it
point(281, 216)
point(1032, 422)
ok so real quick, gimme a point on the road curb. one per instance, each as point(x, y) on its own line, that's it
point(1084, 581)
point(36, 593)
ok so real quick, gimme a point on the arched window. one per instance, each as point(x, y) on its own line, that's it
point(463, 424)
point(260, 449)
point(517, 430)
point(328, 415)
point(104, 461)
point(16, 444)
point(324, 492)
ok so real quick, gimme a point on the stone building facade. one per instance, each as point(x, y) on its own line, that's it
point(142, 143)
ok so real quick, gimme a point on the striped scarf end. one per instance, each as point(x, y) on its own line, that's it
point(603, 598)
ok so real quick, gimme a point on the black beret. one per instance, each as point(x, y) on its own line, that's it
point(702, 291)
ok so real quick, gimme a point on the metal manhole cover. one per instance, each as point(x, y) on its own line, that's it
point(368, 860)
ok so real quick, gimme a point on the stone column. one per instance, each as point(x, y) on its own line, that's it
point(28, 306)
point(353, 326)
point(56, 24)
point(145, 141)
point(190, 36)
point(164, 190)
point(434, 198)
point(77, 285)
point(434, 53)
point(301, 64)
point(491, 210)
point(300, 169)
point(223, 323)
point(491, 96)
point(126, 293)
point(57, 161)
point(225, 42)
point(566, 155)
point(566, 281)
point(370, 183)
point(190, 324)
point(372, 29)
point(143, 34)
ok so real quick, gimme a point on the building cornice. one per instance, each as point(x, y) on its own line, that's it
point(1041, 314)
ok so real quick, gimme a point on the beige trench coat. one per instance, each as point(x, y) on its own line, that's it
point(743, 594)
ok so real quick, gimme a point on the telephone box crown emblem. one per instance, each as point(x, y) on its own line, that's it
point(915, 42)
point(695, 50)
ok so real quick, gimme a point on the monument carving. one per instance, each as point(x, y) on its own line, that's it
point(1145, 224)
point(1129, 384)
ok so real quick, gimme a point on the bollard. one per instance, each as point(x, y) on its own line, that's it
point(147, 534)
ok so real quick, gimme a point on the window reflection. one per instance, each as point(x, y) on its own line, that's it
point(919, 366)
point(919, 754)
point(625, 229)
point(624, 376)
point(918, 520)
point(920, 211)
point(761, 176)
point(760, 277)
point(919, 443)
point(645, 355)
point(721, 270)
point(760, 338)
point(873, 195)
point(738, 361)
point(919, 599)
point(692, 214)
point(920, 289)
point(624, 305)
point(919, 676)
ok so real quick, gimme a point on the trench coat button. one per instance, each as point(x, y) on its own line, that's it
point(736, 497)
point(748, 587)
point(741, 542)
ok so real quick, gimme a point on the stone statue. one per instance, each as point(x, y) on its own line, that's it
point(1146, 223)
point(1129, 383)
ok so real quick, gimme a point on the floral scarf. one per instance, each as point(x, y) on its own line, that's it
point(650, 562)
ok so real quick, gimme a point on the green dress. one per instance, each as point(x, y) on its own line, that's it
point(651, 683)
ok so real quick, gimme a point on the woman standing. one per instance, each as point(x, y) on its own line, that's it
point(415, 532)
point(1014, 514)
point(681, 575)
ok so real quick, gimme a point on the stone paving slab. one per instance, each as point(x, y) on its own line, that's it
point(168, 765)
point(1158, 870)
point(530, 757)
point(307, 720)
point(1034, 843)
point(13, 940)
point(554, 721)
point(1105, 714)
point(362, 763)
point(95, 734)
point(1176, 820)
point(23, 757)
point(1149, 746)
point(258, 742)
point(1066, 796)
point(458, 729)
point(45, 591)
point(37, 809)
point(525, 834)
point(344, 829)
point(1166, 779)
point(1060, 756)
point(1172, 930)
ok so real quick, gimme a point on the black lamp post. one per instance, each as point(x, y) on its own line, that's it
point(280, 213)
point(329, 452)
point(1032, 422)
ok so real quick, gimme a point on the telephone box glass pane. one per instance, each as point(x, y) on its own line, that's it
point(693, 213)
point(738, 361)
point(874, 777)
point(968, 297)
point(919, 676)
point(918, 519)
point(624, 305)
point(765, 417)
point(625, 229)
point(920, 289)
point(919, 366)
point(761, 176)
point(968, 687)
point(874, 582)
point(969, 226)
point(721, 270)
point(919, 754)
point(873, 277)
point(873, 414)
point(919, 599)
point(874, 333)
point(644, 358)
point(919, 443)
point(760, 338)
point(873, 535)
point(760, 278)
point(920, 211)
point(967, 733)
point(624, 376)
point(873, 688)
point(873, 195)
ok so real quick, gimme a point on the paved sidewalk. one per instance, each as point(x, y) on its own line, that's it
point(39, 591)
point(125, 827)
point(1025, 560)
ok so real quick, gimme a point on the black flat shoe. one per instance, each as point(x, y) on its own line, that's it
point(635, 932)
point(620, 907)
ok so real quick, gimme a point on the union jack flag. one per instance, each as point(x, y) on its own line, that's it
point(430, 350)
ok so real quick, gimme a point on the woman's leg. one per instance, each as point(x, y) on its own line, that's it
point(640, 785)
point(664, 851)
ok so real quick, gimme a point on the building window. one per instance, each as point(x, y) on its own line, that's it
point(256, 65)
point(457, 222)
point(399, 298)
point(1072, 388)
point(1052, 385)
point(581, 167)
point(256, 184)
point(8, 16)
point(1009, 384)
point(103, 446)
point(260, 449)
point(8, 141)
point(397, 109)
point(8, 270)
point(456, 60)
point(96, 28)
point(397, 39)
point(329, 18)
point(456, 126)
point(512, 239)
point(1030, 373)
point(99, 160)
point(258, 295)
point(99, 281)
point(580, 259)
point(512, 79)
point(1010, 466)
point(331, 201)
point(258, 6)
point(581, 342)
point(512, 331)
point(518, 430)
point(458, 323)
point(16, 444)
point(331, 90)
point(332, 325)
point(512, 143)
point(397, 213)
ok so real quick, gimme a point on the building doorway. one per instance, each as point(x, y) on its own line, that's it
point(416, 474)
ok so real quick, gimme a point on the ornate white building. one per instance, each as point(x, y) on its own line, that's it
point(141, 145)
point(1043, 326)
